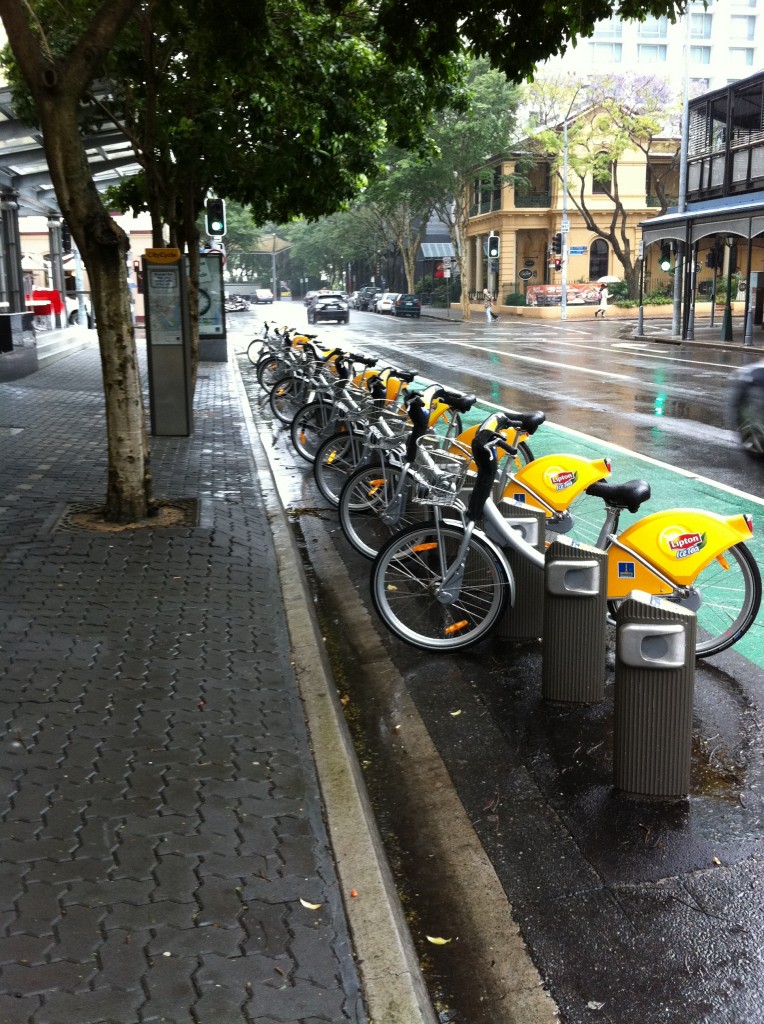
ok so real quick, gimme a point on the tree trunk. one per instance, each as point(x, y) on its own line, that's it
point(103, 245)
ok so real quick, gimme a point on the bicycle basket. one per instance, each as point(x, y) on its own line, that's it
point(388, 431)
point(440, 476)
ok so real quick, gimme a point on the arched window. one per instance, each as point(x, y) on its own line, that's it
point(598, 259)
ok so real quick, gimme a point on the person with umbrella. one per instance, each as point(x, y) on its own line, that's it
point(603, 282)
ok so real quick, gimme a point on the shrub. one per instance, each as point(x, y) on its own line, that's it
point(515, 299)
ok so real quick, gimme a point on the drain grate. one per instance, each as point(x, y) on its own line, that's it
point(172, 513)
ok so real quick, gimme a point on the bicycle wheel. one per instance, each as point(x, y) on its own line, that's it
point(366, 495)
point(269, 370)
point(729, 590)
point(286, 398)
point(255, 351)
point(726, 597)
point(338, 457)
point(524, 453)
point(404, 581)
point(311, 426)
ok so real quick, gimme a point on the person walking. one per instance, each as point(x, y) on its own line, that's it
point(602, 308)
point(490, 316)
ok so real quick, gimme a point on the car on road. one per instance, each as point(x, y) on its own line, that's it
point(263, 295)
point(329, 306)
point(746, 407)
point(407, 305)
point(386, 302)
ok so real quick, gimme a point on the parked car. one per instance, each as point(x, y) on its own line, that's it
point(386, 302)
point(329, 306)
point(407, 305)
point(353, 300)
point(367, 297)
point(263, 295)
point(746, 407)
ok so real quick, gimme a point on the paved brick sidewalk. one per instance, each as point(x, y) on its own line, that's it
point(161, 818)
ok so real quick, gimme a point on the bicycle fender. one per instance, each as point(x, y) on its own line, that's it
point(679, 543)
point(554, 481)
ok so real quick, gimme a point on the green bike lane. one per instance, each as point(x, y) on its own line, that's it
point(671, 487)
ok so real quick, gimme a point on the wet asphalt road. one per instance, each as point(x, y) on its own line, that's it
point(632, 912)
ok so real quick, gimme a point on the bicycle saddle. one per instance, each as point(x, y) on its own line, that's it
point(456, 400)
point(629, 495)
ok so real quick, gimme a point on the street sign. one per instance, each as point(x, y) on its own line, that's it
point(525, 274)
point(565, 225)
point(577, 250)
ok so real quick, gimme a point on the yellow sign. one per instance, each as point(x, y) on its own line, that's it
point(162, 255)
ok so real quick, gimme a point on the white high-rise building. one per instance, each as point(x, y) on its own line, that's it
point(726, 43)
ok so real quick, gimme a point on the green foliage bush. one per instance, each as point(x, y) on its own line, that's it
point(515, 299)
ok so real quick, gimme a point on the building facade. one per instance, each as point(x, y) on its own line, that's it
point(726, 43)
point(529, 211)
point(724, 212)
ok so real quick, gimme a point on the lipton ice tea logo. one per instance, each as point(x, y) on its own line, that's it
point(680, 543)
point(560, 479)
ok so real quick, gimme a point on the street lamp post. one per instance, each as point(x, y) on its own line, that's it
point(729, 241)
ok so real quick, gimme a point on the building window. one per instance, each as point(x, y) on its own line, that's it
point(700, 54)
point(653, 28)
point(700, 26)
point(607, 53)
point(741, 55)
point(598, 259)
point(610, 29)
point(651, 53)
point(742, 26)
point(602, 176)
point(698, 86)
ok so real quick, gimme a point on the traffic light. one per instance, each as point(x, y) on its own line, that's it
point(715, 257)
point(665, 260)
point(557, 243)
point(215, 217)
point(493, 246)
point(557, 263)
point(66, 238)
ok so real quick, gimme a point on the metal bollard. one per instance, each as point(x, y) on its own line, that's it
point(575, 609)
point(525, 621)
point(654, 691)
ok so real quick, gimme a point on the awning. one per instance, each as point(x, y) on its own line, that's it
point(732, 215)
point(437, 250)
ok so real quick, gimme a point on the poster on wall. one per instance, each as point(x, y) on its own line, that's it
point(211, 302)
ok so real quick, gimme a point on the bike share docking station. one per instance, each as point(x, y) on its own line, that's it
point(525, 619)
point(654, 697)
point(654, 671)
point(575, 621)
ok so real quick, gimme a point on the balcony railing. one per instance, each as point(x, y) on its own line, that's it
point(526, 200)
point(654, 203)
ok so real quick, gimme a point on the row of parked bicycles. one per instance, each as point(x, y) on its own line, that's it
point(427, 500)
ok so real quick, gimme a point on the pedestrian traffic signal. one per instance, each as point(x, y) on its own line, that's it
point(665, 260)
point(557, 243)
point(558, 263)
point(493, 247)
point(215, 217)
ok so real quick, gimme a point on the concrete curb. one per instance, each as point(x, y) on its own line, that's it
point(393, 985)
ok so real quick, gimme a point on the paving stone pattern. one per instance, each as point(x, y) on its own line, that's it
point(161, 818)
